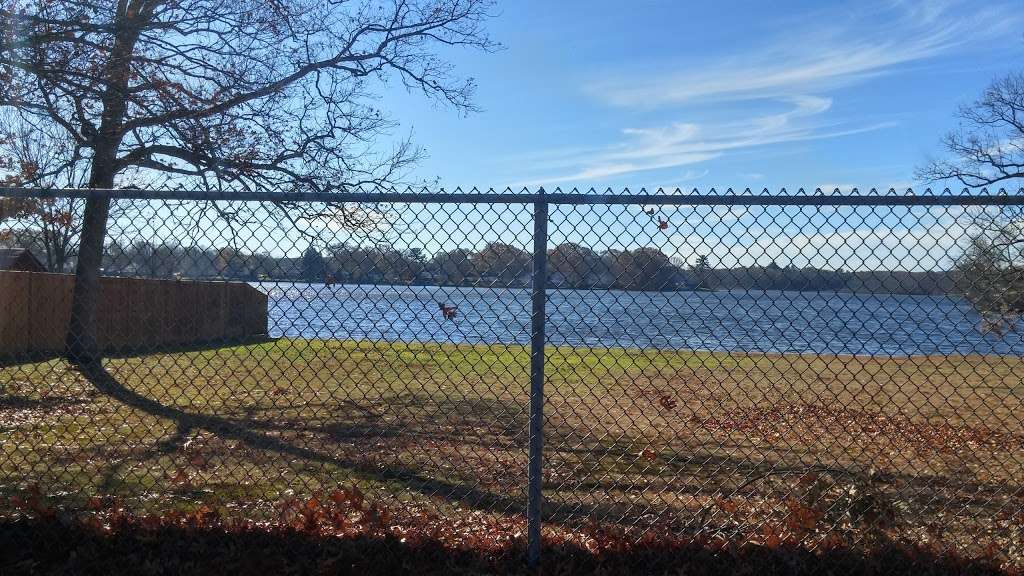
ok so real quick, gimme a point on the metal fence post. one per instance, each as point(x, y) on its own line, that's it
point(534, 496)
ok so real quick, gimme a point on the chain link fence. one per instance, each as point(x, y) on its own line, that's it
point(806, 367)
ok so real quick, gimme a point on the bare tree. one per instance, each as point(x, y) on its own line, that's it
point(38, 153)
point(988, 146)
point(990, 275)
point(49, 229)
point(241, 93)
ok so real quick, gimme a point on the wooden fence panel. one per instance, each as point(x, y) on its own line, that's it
point(133, 315)
point(113, 316)
point(243, 301)
point(49, 305)
point(213, 302)
point(146, 313)
point(14, 318)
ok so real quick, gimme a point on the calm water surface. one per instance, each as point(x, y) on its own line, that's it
point(723, 321)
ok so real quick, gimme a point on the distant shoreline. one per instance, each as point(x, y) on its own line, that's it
point(951, 294)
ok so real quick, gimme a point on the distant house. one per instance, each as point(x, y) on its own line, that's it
point(557, 279)
point(20, 260)
point(286, 269)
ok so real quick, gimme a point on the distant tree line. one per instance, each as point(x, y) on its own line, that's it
point(503, 265)
point(773, 277)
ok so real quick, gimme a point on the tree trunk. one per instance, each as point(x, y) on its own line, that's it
point(81, 343)
point(82, 346)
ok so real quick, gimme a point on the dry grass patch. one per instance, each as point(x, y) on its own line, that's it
point(720, 442)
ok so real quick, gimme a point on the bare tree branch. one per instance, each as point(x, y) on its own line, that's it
point(247, 94)
point(988, 145)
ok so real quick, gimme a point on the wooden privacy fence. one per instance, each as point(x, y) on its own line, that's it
point(134, 314)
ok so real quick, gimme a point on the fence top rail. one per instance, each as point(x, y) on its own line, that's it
point(570, 198)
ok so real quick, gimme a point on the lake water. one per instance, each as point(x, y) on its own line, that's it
point(730, 321)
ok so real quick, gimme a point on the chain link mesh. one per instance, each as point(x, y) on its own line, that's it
point(759, 372)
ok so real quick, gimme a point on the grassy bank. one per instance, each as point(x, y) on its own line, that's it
point(731, 442)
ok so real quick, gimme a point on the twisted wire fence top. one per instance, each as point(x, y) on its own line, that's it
point(806, 367)
point(513, 195)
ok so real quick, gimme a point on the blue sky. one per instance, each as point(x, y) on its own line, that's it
point(707, 94)
point(724, 94)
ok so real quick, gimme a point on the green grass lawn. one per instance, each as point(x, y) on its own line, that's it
point(679, 437)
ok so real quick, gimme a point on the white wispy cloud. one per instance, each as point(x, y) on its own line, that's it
point(833, 186)
point(797, 75)
point(932, 245)
point(919, 248)
point(883, 186)
point(683, 144)
point(831, 57)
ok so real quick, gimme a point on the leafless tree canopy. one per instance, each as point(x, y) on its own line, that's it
point(988, 146)
point(39, 152)
point(255, 93)
point(991, 270)
point(245, 93)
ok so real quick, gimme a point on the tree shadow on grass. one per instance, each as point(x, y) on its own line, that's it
point(317, 443)
point(14, 402)
point(251, 436)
